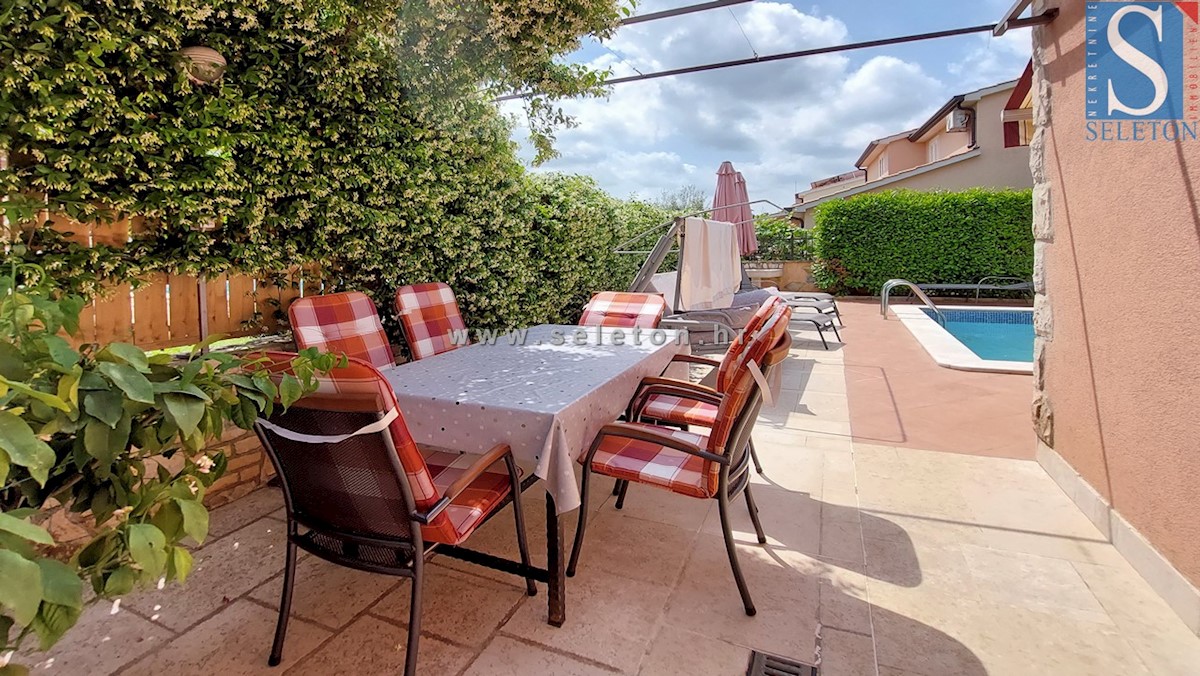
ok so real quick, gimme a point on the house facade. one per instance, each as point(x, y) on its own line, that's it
point(965, 144)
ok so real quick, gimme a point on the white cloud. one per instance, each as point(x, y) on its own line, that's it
point(783, 123)
point(993, 60)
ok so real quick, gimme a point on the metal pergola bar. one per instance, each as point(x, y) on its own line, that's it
point(680, 11)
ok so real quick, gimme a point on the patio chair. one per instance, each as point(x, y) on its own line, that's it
point(360, 493)
point(712, 466)
point(429, 317)
point(630, 310)
point(660, 401)
point(345, 322)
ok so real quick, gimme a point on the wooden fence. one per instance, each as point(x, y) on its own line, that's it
point(169, 310)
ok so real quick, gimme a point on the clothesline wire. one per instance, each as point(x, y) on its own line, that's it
point(1044, 18)
point(743, 30)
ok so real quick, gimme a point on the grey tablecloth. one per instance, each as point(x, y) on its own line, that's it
point(546, 396)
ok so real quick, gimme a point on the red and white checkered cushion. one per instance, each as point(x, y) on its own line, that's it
point(650, 463)
point(471, 506)
point(629, 310)
point(733, 354)
point(342, 322)
point(679, 410)
point(430, 317)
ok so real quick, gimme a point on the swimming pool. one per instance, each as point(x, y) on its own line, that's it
point(997, 335)
point(997, 339)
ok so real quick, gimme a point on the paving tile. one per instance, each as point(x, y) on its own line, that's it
point(265, 501)
point(1036, 582)
point(327, 594)
point(610, 619)
point(1143, 618)
point(901, 565)
point(224, 570)
point(464, 608)
point(507, 656)
point(790, 520)
point(100, 643)
point(635, 548)
point(783, 585)
point(649, 503)
point(373, 646)
point(841, 539)
point(676, 651)
point(846, 654)
point(235, 641)
point(844, 605)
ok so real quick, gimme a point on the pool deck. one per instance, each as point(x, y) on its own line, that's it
point(899, 396)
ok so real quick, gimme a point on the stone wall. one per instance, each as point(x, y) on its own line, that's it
point(797, 275)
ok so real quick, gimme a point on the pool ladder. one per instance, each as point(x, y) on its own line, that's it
point(893, 283)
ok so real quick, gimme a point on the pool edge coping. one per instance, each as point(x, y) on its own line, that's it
point(949, 351)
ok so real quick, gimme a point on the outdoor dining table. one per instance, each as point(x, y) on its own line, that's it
point(545, 391)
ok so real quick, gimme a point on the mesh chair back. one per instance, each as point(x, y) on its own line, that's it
point(367, 484)
point(344, 322)
point(622, 309)
point(429, 315)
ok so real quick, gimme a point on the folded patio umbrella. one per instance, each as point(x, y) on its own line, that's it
point(731, 204)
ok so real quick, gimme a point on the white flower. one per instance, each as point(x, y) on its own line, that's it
point(204, 464)
point(123, 512)
point(116, 607)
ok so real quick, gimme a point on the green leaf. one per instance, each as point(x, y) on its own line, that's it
point(105, 405)
point(37, 395)
point(60, 584)
point(104, 443)
point(52, 621)
point(20, 586)
point(24, 449)
point(132, 383)
point(181, 388)
point(126, 353)
point(181, 564)
point(185, 410)
point(147, 546)
point(14, 670)
point(195, 519)
point(61, 351)
point(290, 390)
point(12, 362)
point(169, 518)
point(25, 529)
point(120, 582)
point(5, 466)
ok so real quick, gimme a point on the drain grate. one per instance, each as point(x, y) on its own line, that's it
point(766, 664)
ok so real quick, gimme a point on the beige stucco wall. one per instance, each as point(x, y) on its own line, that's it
point(949, 143)
point(904, 155)
point(1118, 273)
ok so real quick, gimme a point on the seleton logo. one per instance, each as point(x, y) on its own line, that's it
point(1143, 75)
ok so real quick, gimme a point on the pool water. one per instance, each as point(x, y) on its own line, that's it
point(998, 335)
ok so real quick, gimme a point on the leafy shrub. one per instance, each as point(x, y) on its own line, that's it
point(779, 240)
point(924, 237)
point(112, 433)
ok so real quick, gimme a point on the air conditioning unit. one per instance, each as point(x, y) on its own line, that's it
point(958, 120)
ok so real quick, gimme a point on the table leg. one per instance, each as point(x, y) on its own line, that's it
point(555, 564)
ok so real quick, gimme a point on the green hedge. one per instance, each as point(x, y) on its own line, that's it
point(779, 240)
point(924, 237)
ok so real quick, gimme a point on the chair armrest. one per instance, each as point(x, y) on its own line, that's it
point(696, 359)
point(477, 468)
point(679, 388)
point(630, 431)
point(697, 388)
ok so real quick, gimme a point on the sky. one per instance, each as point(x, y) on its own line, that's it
point(782, 124)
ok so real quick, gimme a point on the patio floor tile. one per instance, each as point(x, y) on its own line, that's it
point(233, 642)
point(373, 646)
point(677, 651)
point(846, 654)
point(640, 550)
point(224, 520)
point(463, 608)
point(100, 643)
point(326, 594)
point(224, 570)
point(783, 585)
point(610, 619)
point(507, 656)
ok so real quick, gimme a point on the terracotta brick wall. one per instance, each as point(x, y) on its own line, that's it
point(248, 467)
